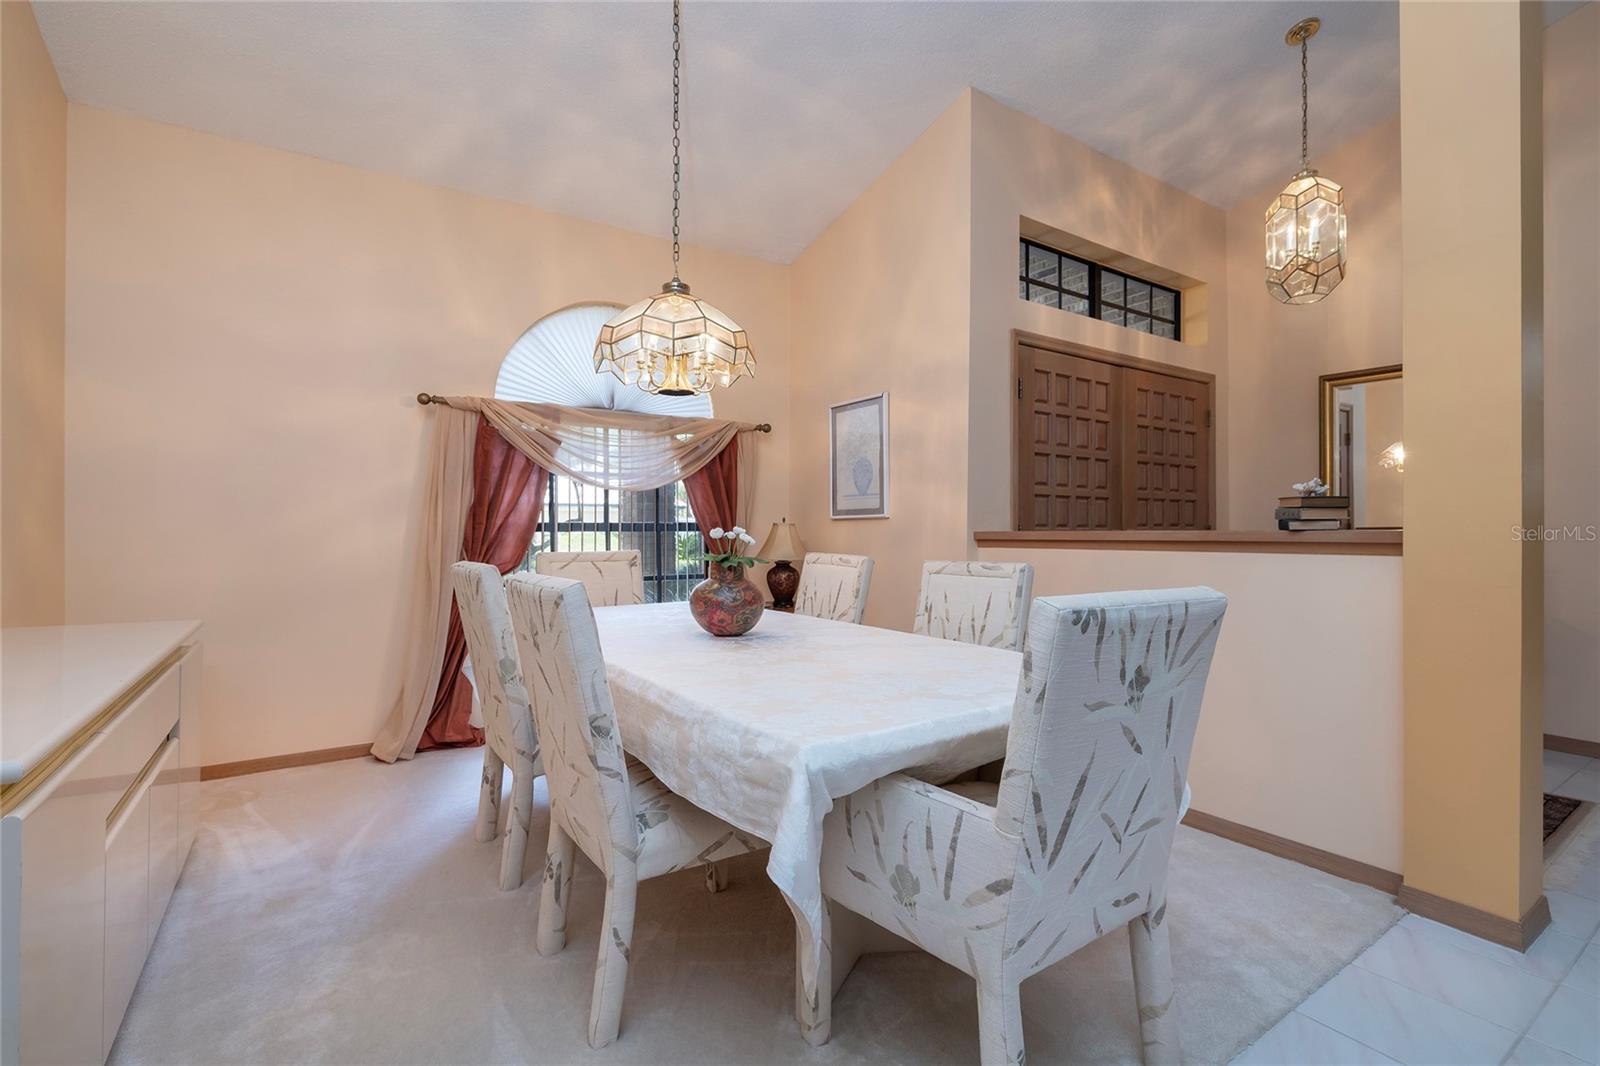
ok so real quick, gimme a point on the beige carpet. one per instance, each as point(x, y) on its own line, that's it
point(343, 913)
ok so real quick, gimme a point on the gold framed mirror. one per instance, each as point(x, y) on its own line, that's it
point(1362, 443)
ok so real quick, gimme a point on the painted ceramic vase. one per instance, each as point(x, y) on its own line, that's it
point(726, 604)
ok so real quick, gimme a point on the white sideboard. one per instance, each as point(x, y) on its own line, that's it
point(99, 792)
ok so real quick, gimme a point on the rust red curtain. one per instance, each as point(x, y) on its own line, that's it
point(713, 491)
point(508, 491)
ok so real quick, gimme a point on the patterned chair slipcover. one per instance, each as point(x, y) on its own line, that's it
point(609, 578)
point(976, 603)
point(509, 734)
point(1003, 880)
point(834, 586)
point(626, 821)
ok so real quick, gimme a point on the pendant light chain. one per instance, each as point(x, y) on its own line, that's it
point(677, 35)
point(1305, 156)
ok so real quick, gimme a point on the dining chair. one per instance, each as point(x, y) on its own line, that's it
point(510, 738)
point(975, 603)
point(609, 578)
point(834, 586)
point(1003, 880)
point(621, 816)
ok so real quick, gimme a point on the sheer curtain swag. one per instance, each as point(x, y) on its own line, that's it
point(480, 501)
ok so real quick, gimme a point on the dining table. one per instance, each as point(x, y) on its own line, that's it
point(768, 729)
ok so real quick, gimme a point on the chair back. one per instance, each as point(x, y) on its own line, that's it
point(1101, 733)
point(496, 673)
point(609, 578)
point(834, 586)
point(976, 603)
point(579, 739)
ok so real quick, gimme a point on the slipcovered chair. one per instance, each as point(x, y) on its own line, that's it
point(975, 603)
point(834, 586)
point(609, 578)
point(1003, 880)
point(509, 735)
point(626, 821)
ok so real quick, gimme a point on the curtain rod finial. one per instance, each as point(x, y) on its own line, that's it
point(424, 398)
point(764, 427)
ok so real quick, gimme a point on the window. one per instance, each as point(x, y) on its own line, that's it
point(553, 362)
point(658, 525)
point(1055, 279)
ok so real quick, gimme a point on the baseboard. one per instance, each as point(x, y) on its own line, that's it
point(283, 762)
point(1572, 746)
point(1326, 861)
point(1491, 927)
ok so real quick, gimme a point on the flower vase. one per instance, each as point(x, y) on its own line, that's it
point(726, 603)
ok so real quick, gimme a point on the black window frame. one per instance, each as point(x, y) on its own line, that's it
point(657, 536)
point(1098, 304)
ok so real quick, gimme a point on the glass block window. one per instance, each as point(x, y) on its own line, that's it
point(658, 524)
point(1056, 279)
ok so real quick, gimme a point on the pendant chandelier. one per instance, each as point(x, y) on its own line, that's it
point(1305, 222)
point(674, 343)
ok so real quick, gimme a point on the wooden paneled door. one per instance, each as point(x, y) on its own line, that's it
point(1069, 466)
point(1103, 444)
point(1168, 482)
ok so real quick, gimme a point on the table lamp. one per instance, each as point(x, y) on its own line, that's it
point(783, 547)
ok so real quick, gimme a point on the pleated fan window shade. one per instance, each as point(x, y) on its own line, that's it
point(553, 362)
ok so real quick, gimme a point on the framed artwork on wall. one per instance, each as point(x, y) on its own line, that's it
point(858, 458)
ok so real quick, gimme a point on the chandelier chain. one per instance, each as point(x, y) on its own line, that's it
point(1305, 157)
point(677, 47)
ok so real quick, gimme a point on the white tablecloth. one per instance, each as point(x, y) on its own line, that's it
point(766, 730)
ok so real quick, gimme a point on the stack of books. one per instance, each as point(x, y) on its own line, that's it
point(1298, 513)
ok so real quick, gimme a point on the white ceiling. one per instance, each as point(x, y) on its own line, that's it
point(791, 108)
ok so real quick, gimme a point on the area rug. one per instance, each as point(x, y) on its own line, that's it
point(343, 914)
point(1557, 809)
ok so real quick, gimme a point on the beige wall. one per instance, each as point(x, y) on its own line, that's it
point(879, 304)
point(1572, 373)
point(1023, 168)
point(1473, 592)
point(246, 333)
point(33, 229)
point(1290, 741)
point(1277, 352)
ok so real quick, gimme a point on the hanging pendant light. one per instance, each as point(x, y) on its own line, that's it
point(674, 343)
point(1305, 222)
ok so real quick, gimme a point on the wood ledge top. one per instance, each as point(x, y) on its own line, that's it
point(1260, 541)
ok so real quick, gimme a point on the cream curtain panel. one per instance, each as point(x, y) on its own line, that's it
point(445, 497)
point(621, 450)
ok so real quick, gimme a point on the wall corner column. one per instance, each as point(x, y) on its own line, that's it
point(1472, 337)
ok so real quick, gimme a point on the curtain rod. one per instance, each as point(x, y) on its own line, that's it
point(425, 398)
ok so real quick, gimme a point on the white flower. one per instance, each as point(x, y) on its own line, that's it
point(747, 538)
point(717, 534)
point(737, 531)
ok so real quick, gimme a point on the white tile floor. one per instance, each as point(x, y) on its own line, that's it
point(1427, 993)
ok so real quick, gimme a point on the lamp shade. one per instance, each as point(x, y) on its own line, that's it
point(783, 542)
point(674, 344)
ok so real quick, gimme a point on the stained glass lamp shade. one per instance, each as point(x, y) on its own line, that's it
point(674, 344)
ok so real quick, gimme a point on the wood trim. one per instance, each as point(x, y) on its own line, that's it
point(14, 794)
point(283, 762)
point(1258, 541)
point(1022, 338)
point(1326, 861)
point(1572, 746)
point(1517, 934)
